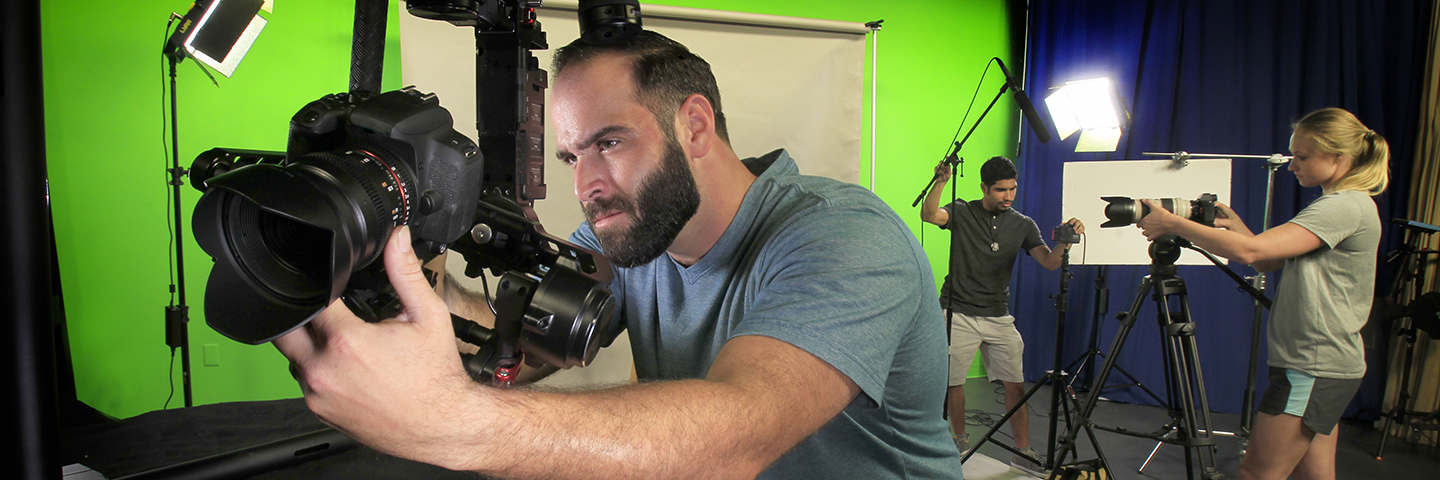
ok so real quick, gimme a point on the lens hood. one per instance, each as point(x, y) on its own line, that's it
point(282, 250)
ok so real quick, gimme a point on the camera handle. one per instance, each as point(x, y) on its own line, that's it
point(498, 360)
point(1243, 284)
point(517, 249)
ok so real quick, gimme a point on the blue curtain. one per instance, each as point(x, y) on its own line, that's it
point(1221, 76)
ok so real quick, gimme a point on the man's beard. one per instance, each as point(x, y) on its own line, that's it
point(667, 197)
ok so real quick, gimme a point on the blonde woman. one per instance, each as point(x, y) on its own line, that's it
point(1328, 252)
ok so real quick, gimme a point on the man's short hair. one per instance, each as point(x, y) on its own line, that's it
point(997, 169)
point(665, 73)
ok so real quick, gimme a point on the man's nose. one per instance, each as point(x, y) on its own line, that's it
point(590, 181)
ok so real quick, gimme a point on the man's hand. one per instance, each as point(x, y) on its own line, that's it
point(930, 211)
point(942, 172)
point(392, 385)
point(1079, 226)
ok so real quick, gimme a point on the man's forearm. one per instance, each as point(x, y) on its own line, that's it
point(1057, 256)
point(732, 424)
point(675, 429)
point(932, 200)
point(466, 303)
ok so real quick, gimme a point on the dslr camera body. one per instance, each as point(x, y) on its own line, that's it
point(1064, 233)
point(291, 234)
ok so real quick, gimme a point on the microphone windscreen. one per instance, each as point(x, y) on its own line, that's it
point(1032, 116)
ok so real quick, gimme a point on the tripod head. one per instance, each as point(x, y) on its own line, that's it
point(1164, 251)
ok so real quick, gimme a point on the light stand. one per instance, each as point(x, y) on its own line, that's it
point(1257, 282)
point(1409, 283)
point(1102, 307)
point(177, 317)
point(211, 29)
point(1058, 387)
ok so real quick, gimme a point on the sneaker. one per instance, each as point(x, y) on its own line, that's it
point(962, 442)
point(1029, 462)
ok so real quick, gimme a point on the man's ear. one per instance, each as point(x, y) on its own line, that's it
point(695, 126)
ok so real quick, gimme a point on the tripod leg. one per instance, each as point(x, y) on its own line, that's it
point(996, 427)
point(1402, 398)
point(1141, 385)
point(1127, 321)
point(1152, 455)
point(1189, 383)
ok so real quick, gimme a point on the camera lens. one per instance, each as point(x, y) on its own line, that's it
point(287, 238)
point(1122, 211)
point(377, 190)
point(288, 257)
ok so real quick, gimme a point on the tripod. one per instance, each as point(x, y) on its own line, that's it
point(1058, 387)
point(1190, 426)
point(1408, 285)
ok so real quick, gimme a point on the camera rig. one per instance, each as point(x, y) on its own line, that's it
point(293, 231)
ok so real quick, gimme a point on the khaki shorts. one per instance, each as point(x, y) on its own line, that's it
point(998, 340)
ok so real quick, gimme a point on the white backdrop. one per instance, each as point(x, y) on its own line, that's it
point(800, 89)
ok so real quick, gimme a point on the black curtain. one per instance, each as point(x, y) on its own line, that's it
point(1214, 76)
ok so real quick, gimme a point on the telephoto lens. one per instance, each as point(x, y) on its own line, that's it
point(1122, 211)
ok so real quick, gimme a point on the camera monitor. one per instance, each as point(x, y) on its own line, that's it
point(1086, 182)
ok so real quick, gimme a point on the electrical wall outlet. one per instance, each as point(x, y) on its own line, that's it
point(212, 355)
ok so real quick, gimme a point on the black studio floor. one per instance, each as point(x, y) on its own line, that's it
point(1355, 454)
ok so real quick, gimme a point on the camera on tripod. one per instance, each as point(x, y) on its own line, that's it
point(1122, 211)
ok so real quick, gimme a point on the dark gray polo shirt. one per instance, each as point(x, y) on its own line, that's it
point(983, 248)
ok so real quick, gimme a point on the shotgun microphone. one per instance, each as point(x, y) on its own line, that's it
point(1026, 107)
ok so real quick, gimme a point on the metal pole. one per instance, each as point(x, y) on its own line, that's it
point(178, 317)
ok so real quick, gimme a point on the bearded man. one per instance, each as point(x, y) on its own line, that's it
point(783, 326)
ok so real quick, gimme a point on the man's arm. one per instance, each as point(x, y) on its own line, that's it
point(930, 211)
point(761, 397)
point(1051, 259)
point(398, 387)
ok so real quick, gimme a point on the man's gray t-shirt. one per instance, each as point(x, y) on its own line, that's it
point(983, 248)
point(829, 268)
point(1324, 295)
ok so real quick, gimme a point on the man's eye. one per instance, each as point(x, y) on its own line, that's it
point(607, 144)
